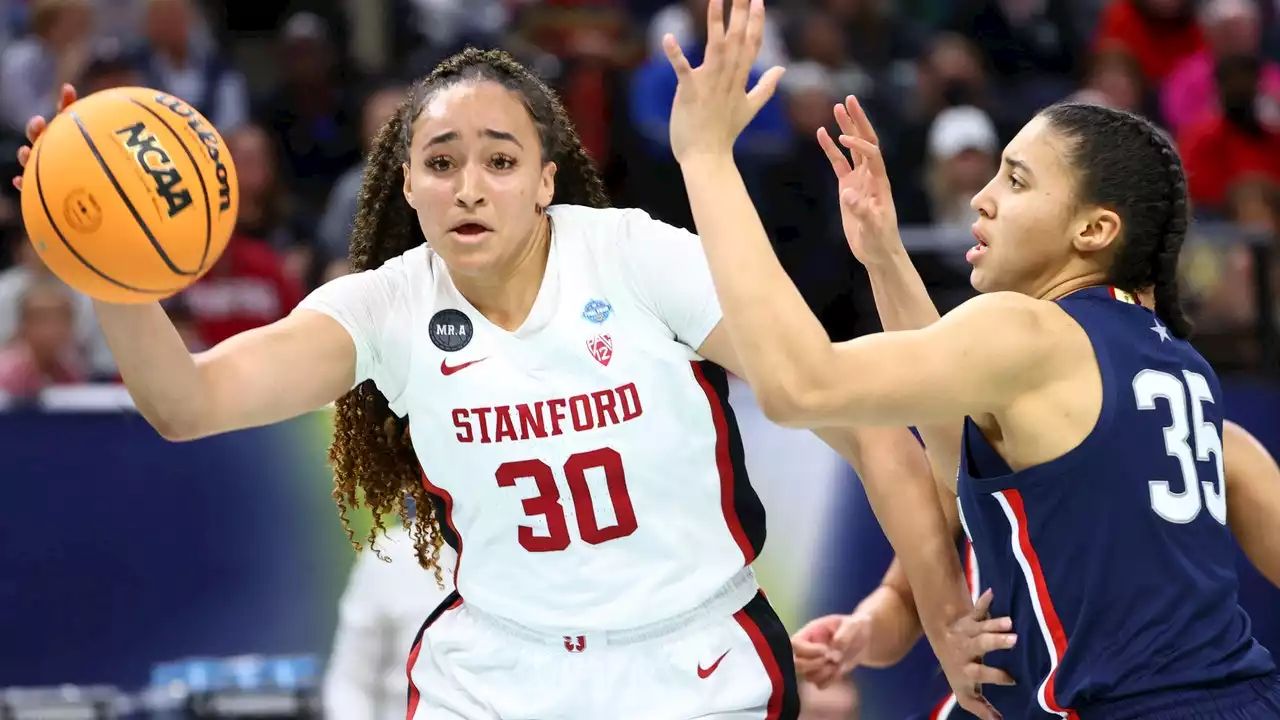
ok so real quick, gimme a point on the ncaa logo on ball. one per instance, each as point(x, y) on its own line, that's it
point(450, 330)
point(597, 311)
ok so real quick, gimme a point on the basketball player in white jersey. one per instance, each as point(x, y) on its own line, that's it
point(553, 363)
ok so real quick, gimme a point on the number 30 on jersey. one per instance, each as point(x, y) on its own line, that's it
point(1185, 398)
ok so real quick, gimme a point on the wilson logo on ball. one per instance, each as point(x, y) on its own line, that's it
point(208, 137)
point(155, 162)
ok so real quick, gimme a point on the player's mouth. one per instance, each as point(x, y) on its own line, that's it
point(470, 230)
point(980, 246)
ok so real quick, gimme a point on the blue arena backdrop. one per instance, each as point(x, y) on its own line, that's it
point(119, 550)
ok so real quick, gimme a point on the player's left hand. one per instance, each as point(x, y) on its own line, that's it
point(712, 105)
point(968, 640)
point(866, 201)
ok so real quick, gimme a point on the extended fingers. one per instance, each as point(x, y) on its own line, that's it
point(839, 163)
point(867, 151)
point(676, 57)
point(854, 110)
point(986, 675)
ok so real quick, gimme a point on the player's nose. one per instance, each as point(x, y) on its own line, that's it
point(469, 192)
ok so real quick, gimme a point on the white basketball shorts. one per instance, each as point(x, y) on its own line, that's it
point(728, 659)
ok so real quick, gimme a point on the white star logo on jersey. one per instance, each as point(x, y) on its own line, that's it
point(1160, 330)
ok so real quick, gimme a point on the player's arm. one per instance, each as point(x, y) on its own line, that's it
point(903, 495)
point(260, 377)
point(975, 360)
point(891, 607)
point(1253, 499)
point(666, 269)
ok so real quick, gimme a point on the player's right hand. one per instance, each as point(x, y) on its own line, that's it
point(968, 640)
point(866, 202)
point(36, 125)
point(830, 647)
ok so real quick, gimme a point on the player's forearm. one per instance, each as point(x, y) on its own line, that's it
point(895, 626)
point(154, 363)
point(781, 345)
point(904, 496)
point(900, 295)
point(903, 303)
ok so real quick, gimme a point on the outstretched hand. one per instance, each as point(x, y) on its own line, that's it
point(866, 200)
point(36, 126)
point(712, 105)
point(968, 640)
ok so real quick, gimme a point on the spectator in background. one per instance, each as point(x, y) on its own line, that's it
point(334, 230)
point(109, 67)
point(313, 115)
point(951, 74)
point(1233, 142)
point(1029, 45)
point(34, 68)
point(882, 39)
point(28, 271)
point(251, 285)
point(187, 64)
point(1112, 78)
point(1232, 27)
point(44, 352)
point(686, 20)
point(266, 209)
point(820, 42)
point(964, 154)
point(1159, 34)
point(378, 620)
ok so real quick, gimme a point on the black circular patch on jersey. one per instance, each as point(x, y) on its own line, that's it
point(451, 330)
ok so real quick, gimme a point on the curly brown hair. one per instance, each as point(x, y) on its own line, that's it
point(372, 453)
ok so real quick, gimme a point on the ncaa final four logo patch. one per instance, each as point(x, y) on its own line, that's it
point(597, 311)
point(601, 348)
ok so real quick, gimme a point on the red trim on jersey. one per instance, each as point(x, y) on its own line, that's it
point(724, 465)
point(415, 696)
point(761, 644)
point(970, 568)
point(1057, 634)
point(937, 710)
point(447, 519)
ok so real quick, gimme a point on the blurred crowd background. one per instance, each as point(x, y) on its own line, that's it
point(298, 88)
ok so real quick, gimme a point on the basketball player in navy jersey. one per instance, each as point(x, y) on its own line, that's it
point(884, 627)
point(1090, 477)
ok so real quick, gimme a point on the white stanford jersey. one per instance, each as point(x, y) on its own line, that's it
point(588, 466)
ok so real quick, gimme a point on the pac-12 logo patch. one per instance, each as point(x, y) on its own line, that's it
point(597, 311)
point(601, 348)
point(450, 330)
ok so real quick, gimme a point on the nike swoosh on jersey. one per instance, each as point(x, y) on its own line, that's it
point(705, 673)
point(446, 369)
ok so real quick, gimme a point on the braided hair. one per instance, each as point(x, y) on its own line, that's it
point(1125, 163)
point(372, 453)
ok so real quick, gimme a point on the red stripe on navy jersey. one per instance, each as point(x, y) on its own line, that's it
point(1057, 634)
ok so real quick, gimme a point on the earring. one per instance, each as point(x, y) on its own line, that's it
point(538, 208)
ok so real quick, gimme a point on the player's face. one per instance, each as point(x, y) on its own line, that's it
point(476, 177)
point(1021, 236)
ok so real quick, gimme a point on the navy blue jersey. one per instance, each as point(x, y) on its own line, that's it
point(1115, 561)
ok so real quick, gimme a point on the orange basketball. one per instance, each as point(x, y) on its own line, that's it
point(130, 195)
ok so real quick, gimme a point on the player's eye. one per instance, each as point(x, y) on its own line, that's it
point(1014, 182)
point(503, 162)
point(439, 163)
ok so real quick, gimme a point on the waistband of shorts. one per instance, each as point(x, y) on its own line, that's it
point(729, 599)
point(1187, 702)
